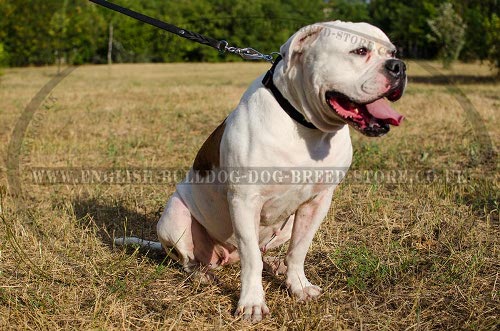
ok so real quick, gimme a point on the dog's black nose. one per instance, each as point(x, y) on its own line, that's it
point(395, 67)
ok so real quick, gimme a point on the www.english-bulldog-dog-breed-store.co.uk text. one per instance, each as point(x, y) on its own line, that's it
point(329, 76)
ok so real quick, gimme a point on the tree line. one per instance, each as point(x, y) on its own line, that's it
point(78, 31)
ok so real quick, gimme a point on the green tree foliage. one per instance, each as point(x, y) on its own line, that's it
point(492, 27)
point(449, 31)
point(474, 14)
point(26, 31)
point(345, 10)
point(86, 33)
point(40, 32)
point(475, 35)
point(3, 56)
point(406, 24)
point(76, 31)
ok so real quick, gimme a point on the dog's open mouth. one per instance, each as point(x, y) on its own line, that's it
point(372, 119)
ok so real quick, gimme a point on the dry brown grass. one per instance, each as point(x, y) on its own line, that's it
point(389, 256)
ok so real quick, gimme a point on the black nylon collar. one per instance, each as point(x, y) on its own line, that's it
point(284, 103)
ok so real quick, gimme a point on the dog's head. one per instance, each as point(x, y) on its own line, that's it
point(343, 72)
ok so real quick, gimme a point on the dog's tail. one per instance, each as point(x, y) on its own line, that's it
point(126, 241)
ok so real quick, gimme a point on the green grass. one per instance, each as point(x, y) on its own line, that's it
point(391, 255)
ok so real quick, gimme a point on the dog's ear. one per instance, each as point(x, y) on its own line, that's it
point(292, 50)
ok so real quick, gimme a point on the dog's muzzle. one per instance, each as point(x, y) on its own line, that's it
point(373, 118)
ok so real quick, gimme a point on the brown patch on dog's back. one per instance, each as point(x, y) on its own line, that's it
point(208, 156)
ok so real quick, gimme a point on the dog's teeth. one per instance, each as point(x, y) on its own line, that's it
point(356, 110)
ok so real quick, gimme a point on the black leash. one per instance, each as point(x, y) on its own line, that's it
point(283, 102)
point(220, 45)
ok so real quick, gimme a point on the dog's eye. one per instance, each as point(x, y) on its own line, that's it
point(394, 53)
point(360, 51)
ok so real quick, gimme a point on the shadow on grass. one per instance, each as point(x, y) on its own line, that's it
point(453, 79)
point(114, 219)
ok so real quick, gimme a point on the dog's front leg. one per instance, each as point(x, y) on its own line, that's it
point(245, 216)
point(307, 221)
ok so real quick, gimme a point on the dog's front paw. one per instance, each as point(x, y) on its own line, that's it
point(300, 287)
point(307, 293)
point(251, 310)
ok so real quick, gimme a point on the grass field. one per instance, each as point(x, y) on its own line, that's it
point(392, 255)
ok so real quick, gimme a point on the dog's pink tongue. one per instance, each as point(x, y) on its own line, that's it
point(382, 110)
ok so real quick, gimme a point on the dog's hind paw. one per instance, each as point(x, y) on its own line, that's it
point(205, 277)
point(274, 265)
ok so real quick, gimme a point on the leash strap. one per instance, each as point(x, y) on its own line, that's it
point(220, 45)
point(283, 102)
point(162, 25)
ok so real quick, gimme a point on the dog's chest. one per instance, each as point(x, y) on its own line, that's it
point(282, 201)
point(303, 177)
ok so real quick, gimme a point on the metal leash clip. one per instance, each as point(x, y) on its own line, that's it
point(246, 53)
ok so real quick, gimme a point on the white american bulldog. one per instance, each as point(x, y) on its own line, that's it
point(331, 75)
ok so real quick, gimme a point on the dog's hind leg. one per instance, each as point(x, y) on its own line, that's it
point(174, 232)
point(187, 241)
